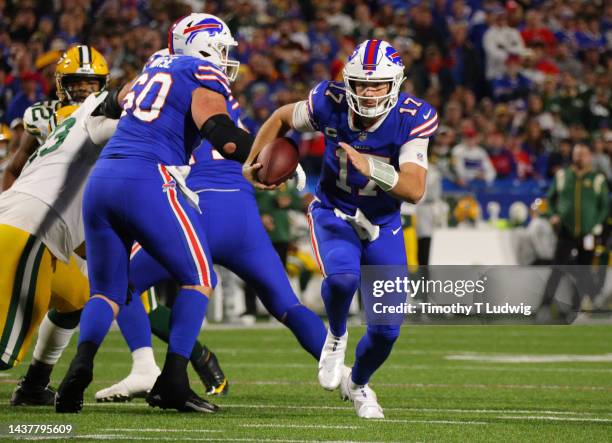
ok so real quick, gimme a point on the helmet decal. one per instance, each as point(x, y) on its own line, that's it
point(393, 56)
point(209, 25)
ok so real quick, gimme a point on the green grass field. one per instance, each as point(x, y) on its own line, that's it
point(442, 383)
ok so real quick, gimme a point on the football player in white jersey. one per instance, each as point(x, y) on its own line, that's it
point(40, 227)
point(80, 71)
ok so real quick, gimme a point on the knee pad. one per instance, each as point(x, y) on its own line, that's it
point(384, 333)
point(345, 284)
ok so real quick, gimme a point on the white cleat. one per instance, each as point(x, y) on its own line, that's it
point(362, 396)
point(332, 361)
point(135, 385)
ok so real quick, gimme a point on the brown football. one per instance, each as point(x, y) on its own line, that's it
point(278, 161)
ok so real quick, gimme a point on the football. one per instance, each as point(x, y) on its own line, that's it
point(278, 161)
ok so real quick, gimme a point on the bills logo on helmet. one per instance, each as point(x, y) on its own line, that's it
point(209, 25)
point(394, 56)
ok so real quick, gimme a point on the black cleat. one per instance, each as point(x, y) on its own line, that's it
point(31, 395)
point(208, 369)
point(69, 397)
point(191, 402)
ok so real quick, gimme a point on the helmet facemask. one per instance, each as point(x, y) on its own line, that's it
point(382, 104)
point(73, 94)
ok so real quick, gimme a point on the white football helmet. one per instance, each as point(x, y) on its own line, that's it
point(204, 36)
point(373, 61)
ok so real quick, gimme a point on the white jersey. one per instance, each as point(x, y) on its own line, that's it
point(56, 174)
point(38, 119)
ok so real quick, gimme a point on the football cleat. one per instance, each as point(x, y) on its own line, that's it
point(69, 396)
point(332, 361)
point(135, 385)
point(208, 369)
point(190, 402)
point(26, 395)
point(363, 397)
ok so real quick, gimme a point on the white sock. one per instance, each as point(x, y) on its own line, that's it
point(51, 342)
point(143, 360)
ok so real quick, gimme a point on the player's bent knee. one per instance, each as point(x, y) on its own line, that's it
point(204, 290)
point(345, 284)
point(384, 333)
point(113, 304)
point(66, 320)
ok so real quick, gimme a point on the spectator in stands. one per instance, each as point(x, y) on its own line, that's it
point(500, 41)
point(601, 158)
point(561, 158)
point(471, 161)
point(440, 151)
point(463, 60)
point(522, 159)
point(512, 85)
point(501, 157)
point(26, 97)
point(536, 31)
point(569, 101)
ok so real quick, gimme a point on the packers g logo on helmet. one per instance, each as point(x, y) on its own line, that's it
point(79, 63)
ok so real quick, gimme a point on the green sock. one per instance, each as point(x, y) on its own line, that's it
point(160, 326)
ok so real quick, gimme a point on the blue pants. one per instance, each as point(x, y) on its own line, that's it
point(237, 241)
point(339, 250)
point(127, 200)
point(340, 253)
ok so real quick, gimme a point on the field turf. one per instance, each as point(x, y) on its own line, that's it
point(442, 383)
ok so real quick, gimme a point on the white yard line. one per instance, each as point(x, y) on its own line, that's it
point(530, 358)
point(544, 417)
point(395, 409)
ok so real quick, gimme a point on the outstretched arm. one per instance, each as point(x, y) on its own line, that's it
point(277, 125)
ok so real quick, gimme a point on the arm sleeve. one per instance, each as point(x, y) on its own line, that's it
point(551, 196)
point(100, 129)
point(414, 151)
point(301, 118)
point(603, 198)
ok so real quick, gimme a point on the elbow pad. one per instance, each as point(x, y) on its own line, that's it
point(220, 129)
point(110, 107)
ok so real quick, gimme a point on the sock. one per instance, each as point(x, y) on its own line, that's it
point(134, 324)
point(160, 326)
point(307, 327)
point(96, 320)
point(38, 375)
point(197, 352)
point(143, 360)
point(372, 350)
point(337, 292)
point(52, 339)
point(187, 315)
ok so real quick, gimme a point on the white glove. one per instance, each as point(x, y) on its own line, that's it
point(300, 178)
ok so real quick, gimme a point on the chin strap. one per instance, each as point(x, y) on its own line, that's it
point(383, 174)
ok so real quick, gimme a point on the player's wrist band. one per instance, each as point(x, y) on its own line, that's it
point(383, 174)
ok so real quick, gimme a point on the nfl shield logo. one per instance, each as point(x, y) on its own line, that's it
point(420, 156)
point(363, 136)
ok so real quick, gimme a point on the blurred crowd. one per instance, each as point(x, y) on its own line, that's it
point(516, 83)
